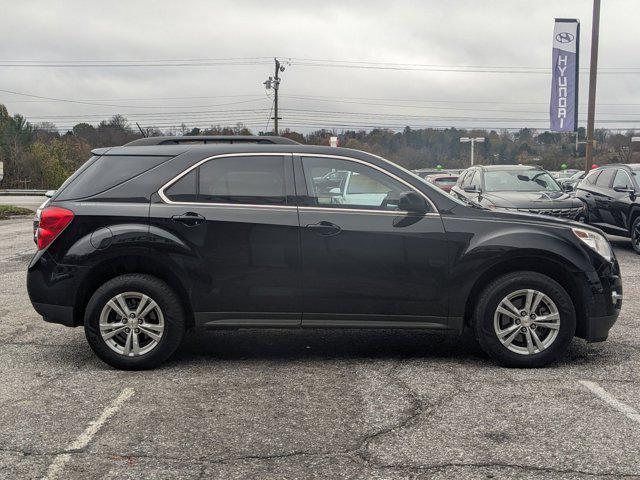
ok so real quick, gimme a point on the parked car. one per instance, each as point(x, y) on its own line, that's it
point(445, 181)
point(425, 172)
point(518, 188)
point(564, 174)
point(569, 184)
point(144, 242)
point(611, 196)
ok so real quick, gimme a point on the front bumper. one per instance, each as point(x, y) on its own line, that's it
point(602, 306)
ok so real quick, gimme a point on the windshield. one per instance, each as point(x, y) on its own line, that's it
point(520, 181)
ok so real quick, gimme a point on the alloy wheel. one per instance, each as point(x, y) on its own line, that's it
point(526, 322)
point(131, 324)
point(635, 236)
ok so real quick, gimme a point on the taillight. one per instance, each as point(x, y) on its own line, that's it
point(53, 220)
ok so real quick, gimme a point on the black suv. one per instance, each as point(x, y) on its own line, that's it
point(144, 242)
point(611, 196)
point(518, 188)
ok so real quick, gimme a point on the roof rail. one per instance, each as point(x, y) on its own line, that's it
point(211, 139)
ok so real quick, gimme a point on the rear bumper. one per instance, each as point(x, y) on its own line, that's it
point(55, 313)
point(53, 288)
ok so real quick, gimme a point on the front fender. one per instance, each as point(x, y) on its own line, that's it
point(477, 247)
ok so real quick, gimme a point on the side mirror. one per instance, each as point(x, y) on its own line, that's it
point(567, 187)
point(625, 189)
point(472, 189)
point(49, 193)
point(412, 202)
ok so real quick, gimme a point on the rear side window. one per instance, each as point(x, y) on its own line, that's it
point(604, 180)
point(251, 180)
point(105, 172)
point(254, 180)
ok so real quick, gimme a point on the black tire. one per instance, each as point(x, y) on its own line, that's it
point(493, 295)
point(635, 235)
point(169, 304)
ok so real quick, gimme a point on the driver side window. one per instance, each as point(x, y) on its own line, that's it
point(622, 180)
point(336, 183)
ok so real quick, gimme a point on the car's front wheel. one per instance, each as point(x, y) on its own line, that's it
point(134, 322)
point(524, 319)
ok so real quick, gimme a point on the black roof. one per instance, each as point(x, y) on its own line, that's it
point(206, 139)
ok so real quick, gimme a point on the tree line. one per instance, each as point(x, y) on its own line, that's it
point(38, 156)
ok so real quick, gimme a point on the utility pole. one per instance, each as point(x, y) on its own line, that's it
point(274, 82)
point(593, 72)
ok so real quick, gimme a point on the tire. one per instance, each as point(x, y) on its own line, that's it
point(160, 329)
point(635, 235)
point(524, 351)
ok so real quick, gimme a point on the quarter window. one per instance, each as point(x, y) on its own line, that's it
point(592, 177)
point(254, 180)
point(185, 189)
point(345, 184)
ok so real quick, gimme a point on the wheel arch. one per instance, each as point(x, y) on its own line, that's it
point(115, 266)
point(635, 212)
point(543, 265)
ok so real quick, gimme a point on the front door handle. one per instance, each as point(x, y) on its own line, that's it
point(325, 228)
point(190, 219)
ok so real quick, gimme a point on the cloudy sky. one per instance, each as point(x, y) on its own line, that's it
point(466, 63)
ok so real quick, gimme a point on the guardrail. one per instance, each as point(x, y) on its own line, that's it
point(22, 191)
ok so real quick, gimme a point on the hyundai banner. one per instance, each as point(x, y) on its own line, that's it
point(564, 82)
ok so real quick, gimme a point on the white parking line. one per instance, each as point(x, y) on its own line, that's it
point(56, 467)
point(629, 412)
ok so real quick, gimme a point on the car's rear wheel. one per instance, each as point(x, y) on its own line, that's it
point(134, 322)
point(524, 319)
point(635, 234)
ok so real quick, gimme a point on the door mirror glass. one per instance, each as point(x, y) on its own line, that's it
point(412, 202)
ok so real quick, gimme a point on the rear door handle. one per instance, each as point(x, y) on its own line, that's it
point(325, 228)
point(190, 219)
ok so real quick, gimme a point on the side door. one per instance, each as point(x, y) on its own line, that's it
point(585, 192)
point(603, 197)
point(235, 224)
point(621, 201)
point(364, 261)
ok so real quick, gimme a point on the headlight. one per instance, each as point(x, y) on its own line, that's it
point(595, 241)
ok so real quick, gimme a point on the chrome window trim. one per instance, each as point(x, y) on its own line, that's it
point(165, 199)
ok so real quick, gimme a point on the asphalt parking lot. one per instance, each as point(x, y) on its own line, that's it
point(311, 404)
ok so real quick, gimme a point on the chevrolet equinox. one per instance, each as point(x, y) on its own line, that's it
point(162, 235)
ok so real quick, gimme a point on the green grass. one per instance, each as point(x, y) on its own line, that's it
point(8, 211)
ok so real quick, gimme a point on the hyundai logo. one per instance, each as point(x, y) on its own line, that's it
point(565, 37)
